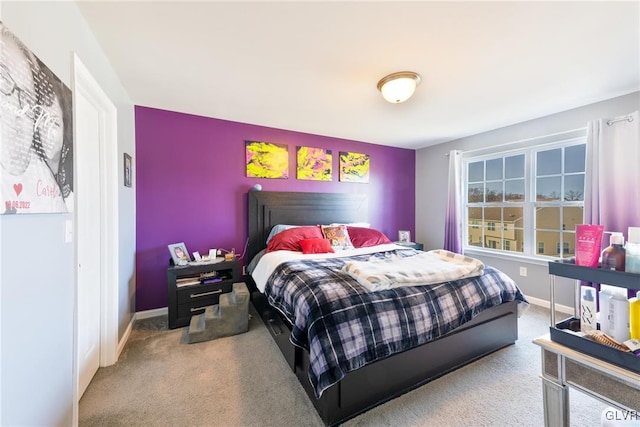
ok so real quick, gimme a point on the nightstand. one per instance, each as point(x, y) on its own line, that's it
point(191, 288)
point(414, 245)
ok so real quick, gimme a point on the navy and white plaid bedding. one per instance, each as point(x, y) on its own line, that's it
point(344, 326)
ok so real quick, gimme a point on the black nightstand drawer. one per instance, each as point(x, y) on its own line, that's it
point(186, 301)
point(190, 294)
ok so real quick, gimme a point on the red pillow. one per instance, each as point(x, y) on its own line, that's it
point(362, 237)
point(316, 246)
point(288, 240)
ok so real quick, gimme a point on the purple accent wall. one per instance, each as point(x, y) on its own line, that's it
point(191, 187)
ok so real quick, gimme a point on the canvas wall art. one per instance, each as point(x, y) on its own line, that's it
point(314, 164)
point(36, 141)
point(354, 167)
point(267, 160)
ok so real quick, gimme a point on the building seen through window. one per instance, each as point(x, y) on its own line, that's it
point(526, 202)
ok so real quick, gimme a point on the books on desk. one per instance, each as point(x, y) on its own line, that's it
point(203, 278)
point(187, 281)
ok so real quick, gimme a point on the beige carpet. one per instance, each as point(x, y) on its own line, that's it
point(243, 381)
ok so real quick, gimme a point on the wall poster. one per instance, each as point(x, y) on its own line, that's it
point(314, 164)
point(36, 138)
point(354, 167)
point(267, 160)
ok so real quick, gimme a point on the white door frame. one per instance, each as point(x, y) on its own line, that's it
point(84, 83)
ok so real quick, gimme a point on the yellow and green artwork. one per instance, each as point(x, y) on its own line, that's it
point(267, 160)
point(314, 164)
point(354, 167)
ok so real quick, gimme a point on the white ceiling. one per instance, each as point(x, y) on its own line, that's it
point(313, 66)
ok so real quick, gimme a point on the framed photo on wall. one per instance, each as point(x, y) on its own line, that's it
point(127, 170)
point(404, 236)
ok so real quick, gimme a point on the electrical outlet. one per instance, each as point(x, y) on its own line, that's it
point(244, 270)
point(523, 271)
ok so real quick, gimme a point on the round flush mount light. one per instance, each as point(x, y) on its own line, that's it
point(398, 87)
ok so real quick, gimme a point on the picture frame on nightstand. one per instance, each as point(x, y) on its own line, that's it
point(179, 253)
point(404, 236)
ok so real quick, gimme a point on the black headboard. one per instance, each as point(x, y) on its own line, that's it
point(269, 208)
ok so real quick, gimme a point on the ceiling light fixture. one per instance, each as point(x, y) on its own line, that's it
point(398, 87)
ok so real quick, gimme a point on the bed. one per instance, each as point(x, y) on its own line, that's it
point(388, 376)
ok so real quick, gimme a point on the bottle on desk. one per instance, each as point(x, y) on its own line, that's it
point(632, 254)
point(604, 297)
point(634, 316)
point(619, 316)
point(613, 256)
point(587, 309)
point(614, 312)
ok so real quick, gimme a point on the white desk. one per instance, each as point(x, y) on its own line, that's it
point(563, 367)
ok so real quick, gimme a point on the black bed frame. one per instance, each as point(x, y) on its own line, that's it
point(383, 380)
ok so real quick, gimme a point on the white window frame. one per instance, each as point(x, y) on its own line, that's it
point(530, 247)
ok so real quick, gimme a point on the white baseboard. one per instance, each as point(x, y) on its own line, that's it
point(546, 304)
point(125, 336)
point(136, 316)
point(151, 313)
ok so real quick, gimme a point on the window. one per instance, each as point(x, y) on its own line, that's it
point(559, 201)
point(495, 196)
point(526, 201)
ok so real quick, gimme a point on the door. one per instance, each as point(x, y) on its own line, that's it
point(96, 229)
point(89, 274)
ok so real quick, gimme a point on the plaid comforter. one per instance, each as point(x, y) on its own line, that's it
point(344, 326)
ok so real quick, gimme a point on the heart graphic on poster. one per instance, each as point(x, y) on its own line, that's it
point(17, 188)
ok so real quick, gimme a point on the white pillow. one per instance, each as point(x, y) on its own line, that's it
point(353, 224)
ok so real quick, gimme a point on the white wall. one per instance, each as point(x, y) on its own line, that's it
point(37, 267)
point(431, 189)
